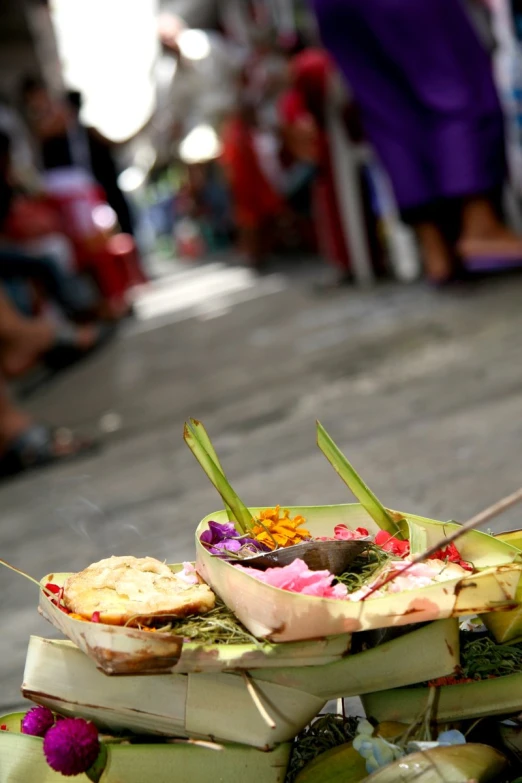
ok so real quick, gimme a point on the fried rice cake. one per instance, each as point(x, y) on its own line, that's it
point(129, 590)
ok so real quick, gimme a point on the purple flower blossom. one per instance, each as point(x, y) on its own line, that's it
point(218, 532)
point(72, 746)
point(221, 538)
point(37, 721)
point(227, 545)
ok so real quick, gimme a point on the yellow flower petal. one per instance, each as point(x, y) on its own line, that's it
point(276, 526)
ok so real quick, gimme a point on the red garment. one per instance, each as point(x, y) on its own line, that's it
point(303, 107)
point(255, 200)
point(112, 261)
point(30, 219)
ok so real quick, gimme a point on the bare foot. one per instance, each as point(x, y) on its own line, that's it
point(13, 422)
point(503, 243)
point(483, 234)
point(20, 350)
point(86, 337)
point(437, 258)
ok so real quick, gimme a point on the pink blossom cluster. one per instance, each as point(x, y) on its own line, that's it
point(298, 578)
point(419, 575)
point(188, 574)
point(343, 533)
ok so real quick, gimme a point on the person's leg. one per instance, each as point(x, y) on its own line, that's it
point(436, 255)
point(429, 104)
point(430, 67)
point(357, 37)
point(65, 289)
point(118, 202)
point(13, 421)
point(23, 341)
point(25, 444)
point(252, 245)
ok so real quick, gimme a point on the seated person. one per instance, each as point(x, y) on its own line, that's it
point(23, 443)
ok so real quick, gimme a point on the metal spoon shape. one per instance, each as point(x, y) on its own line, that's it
point(333, 556)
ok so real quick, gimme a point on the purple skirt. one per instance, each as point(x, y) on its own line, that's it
point(424, 84)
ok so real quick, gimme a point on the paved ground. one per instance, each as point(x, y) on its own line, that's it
point(421, 389)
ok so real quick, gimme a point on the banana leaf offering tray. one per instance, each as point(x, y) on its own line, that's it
point(133, 759)
point(409, 738)
point(275, 586)
point(283, 610)
point(214, 641)
point(406, 568)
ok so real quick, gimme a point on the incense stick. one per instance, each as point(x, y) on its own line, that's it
point(484, 516)
point(48, 593)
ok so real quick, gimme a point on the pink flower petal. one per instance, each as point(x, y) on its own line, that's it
point(343, 533)
point(298, 578)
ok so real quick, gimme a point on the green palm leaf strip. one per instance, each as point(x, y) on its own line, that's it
point(206, 443)
point(351, 478)
point(198, 444)
point(418, 538)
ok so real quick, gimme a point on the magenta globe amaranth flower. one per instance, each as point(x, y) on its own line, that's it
point(71, 746)
point(37, 721)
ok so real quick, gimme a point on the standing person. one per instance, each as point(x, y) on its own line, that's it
point(424, 84)
point(256, 202)
point(70, 159)
point(66, 146)
point(22, 155)
point(302, 113)
point(98, 156)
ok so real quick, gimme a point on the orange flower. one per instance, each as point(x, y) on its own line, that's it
point(276, 526)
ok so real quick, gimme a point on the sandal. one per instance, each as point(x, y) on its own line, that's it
point(492, 263)
point(40, 445)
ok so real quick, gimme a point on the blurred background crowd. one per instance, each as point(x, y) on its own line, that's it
point(383, 138)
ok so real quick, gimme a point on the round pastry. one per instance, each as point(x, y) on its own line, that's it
point(131, 591)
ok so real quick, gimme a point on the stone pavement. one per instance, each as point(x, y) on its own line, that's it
point(421, 389)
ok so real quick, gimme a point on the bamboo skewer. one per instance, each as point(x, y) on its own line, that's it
point(483, 516)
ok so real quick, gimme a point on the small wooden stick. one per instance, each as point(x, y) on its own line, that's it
point(199, 743)
point(484, 516)
point(257, 701)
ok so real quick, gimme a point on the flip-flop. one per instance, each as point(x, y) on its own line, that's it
point(491, 263)
point(36, 447)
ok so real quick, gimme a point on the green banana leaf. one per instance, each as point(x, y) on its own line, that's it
point(119, 650)
point(383, 517)
point(22, 761)
point(58, 675)
point(429, 649)
point(464, 701)
point(279, 615)
point(506, 627)
point(513, 537)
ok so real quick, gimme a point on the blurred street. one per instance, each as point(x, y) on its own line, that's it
point(422, 391)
